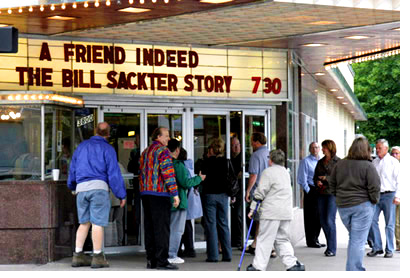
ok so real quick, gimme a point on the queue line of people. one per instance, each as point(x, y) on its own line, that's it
point(359, 187)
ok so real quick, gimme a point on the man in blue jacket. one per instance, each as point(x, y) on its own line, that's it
point(93, 170)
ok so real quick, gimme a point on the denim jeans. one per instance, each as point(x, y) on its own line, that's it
point(389, 210)
point(357, 220)
point(326, 205)
point(177, 228)
point(216, 226)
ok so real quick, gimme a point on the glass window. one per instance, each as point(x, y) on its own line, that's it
point(171, 121)
point(59, 135)
point(85, 124)
point(20, 148)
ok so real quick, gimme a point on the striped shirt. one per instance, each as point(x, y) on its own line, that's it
point(157, 175)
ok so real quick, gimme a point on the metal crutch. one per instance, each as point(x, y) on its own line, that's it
point(247, 237)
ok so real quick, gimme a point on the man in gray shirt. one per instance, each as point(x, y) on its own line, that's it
point(257, 163)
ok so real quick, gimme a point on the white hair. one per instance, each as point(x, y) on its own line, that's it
point(395, 148)
point(383, 141)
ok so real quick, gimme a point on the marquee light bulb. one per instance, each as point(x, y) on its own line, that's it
point(74, 5)
point(42, 8)
point(20, 10)
point(63, 6)
point(108, 3)
point(9, 11)
point(30, 9)
point(86, 5)
point(52, 8)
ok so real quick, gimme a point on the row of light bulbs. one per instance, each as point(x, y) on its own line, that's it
point(86, 5)
point(11, 114)
point(364, 59)
point(53, 97)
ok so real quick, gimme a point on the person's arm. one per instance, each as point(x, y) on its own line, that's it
point(182, 177)
point(396, 179)
point(251, 184)
point(71, 181)
point(115, 180)
point(167, 172)
point(332, 180)
point(373, 184)
point(261, 191)
point(303, 175)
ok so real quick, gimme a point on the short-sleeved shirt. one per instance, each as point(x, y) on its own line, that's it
point(258, 162)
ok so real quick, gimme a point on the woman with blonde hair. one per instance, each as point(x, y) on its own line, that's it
point(216, 200)
point(355, 183)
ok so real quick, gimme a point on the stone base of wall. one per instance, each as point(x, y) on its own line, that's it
point(37, 223)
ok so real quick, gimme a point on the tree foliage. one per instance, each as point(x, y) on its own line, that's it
point(377, 87)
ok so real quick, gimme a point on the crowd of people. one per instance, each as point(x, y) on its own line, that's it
point(359, 188)
point(173, 194)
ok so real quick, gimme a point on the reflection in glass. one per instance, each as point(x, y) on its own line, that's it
point(171, 121)
point(20, 148)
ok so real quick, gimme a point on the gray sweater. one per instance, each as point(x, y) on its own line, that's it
point(354, 182)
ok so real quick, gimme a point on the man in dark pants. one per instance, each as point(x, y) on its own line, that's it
point(236, 206)
point(310, 210)
point(157, 185)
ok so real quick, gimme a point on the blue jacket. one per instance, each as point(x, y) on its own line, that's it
point(96, 159)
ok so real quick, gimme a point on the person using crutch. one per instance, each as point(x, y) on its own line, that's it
point(275, 192)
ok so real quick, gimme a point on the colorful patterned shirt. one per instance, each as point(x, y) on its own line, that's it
point(157, 175)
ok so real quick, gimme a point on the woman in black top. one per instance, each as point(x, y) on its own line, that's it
point(216, 200)
point(326, 201)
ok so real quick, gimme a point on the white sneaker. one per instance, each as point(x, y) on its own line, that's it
point(176, 260)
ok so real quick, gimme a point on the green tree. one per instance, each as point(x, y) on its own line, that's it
point(377, 87)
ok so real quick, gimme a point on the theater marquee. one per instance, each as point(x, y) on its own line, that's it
point(84, 67)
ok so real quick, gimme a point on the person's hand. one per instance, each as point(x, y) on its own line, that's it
point(396, 201)
point(202, 176)
point(323, 178)
point(250, 214)
point(233, 200)
point(319, 184)
point(176, 201)
point(123, 202)
point(247, 197)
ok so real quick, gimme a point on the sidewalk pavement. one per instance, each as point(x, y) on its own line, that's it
point(312, 258)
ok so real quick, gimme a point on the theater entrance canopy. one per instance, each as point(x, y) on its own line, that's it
point(318, 31)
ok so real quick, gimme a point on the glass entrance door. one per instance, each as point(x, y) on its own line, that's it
point(124, 228)
point(207, 126)
point(242, 125)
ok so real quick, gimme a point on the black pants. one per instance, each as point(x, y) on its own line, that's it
point(157, 217)
point(236, 221)
point(187, 238)
point(311, 216)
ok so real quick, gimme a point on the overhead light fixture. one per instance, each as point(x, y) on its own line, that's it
point(3, 25)
point(396, 29)
point(59, 17)
point(215, 1)
point(134, 10)
point(322, 22)
point(344, 103)
point(313, 44)
point(340, 97)
point(356, 37)
point(366, 56)
point(333, 90)
point(319, 73)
